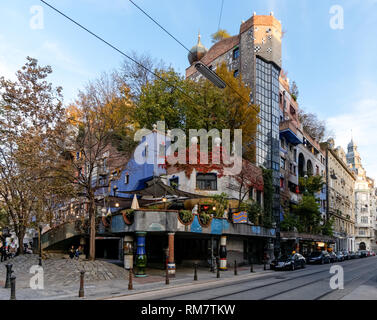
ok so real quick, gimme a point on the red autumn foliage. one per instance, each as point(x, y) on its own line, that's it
point(250, 176)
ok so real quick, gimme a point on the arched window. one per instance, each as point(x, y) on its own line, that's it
point(301, 165)
point(309, 168)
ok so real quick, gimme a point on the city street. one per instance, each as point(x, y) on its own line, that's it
point(311, 283)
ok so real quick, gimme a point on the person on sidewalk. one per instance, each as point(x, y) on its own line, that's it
point(72, 252)
point(78, 252)
point(3, 251)
point(12, 248)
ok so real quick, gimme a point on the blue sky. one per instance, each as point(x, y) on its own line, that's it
point(335, 69)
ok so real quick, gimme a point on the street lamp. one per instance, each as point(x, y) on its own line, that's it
point(210, 75)
point(164, 200)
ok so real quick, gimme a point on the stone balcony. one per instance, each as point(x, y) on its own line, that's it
point(167, 221)
point(289, 132)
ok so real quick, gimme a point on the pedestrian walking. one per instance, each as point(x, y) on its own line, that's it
point(12, 248)
point(78, 252)
point(3, 251)
point(72, 252)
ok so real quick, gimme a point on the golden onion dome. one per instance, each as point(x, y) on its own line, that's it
point(197, 52)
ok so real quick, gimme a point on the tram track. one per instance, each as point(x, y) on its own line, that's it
point(353, 266)
point(241, 282)
point(358, 267)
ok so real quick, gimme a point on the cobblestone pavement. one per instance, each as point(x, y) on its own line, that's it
point(62, 272)
point(102, 279)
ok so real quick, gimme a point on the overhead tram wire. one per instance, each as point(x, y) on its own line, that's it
point(180, 43)
point(129, 57)
point(221, 14)
point(119, 51)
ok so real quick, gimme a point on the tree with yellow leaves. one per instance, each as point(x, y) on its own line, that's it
point(100, 139)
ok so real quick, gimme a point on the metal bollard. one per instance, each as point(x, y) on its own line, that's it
point(81, 291)
point(251, 267)
point(264, 265)
point(195, 272)
point(40, 261)
point(130, 285)
point(13, 287)
point(235, 267)
point(167, 275)
point(8, 276)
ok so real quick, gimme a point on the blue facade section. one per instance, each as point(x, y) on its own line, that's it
point(195, 226)
point(134, 175)
point(217, 226)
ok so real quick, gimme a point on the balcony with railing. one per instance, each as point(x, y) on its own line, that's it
point(289, 132)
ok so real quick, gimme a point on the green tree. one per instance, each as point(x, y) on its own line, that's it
point(308, 214)
point(31, 125)
point(101, 133)
point(222, 203)
point(290, 222)
point(327, 228)
point(160, 101)
point(311, 185)
point(207, 106)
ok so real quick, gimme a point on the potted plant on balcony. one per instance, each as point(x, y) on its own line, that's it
point(128, 216)
point(106, 221)
point(204, 219)
point(186, 217)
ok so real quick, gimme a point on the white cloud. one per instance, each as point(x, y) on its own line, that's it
point(362, 120)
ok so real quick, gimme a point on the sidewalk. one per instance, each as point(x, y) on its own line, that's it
point(106, 289)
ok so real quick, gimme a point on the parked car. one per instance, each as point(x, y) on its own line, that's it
point(362, 253)
point(368, 253)
point(288, 262)
point(358, 254)
point(333, 257)
point(340, 256)
point(321, 257)
point(346, 255)
point(352, 255)
point(372, 253)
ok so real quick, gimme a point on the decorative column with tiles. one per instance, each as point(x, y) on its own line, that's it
point(223, 253)
point(171, 263)
point(141, 257)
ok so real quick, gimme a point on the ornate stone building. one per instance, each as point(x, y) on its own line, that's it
point(341, 199)
point(365, 201)
point(255, 53)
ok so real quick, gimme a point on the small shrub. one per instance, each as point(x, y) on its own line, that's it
point(186, 216)
point(204, 218)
